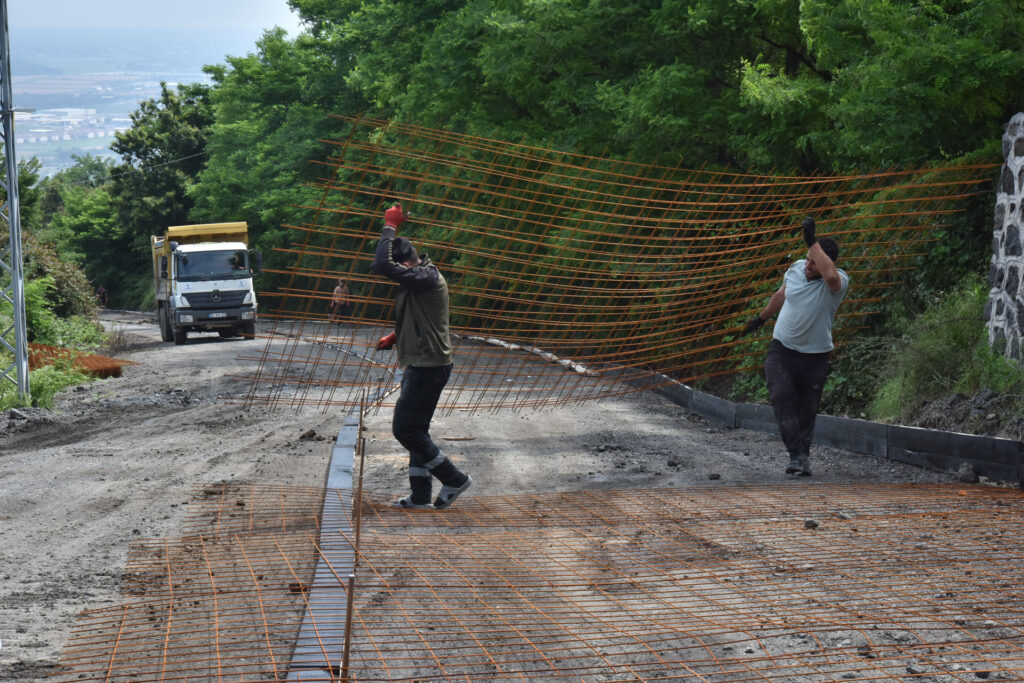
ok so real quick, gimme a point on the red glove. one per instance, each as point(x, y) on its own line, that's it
point(394, 217)
point(386, 342)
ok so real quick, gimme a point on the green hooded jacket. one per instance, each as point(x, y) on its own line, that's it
point(421, 307)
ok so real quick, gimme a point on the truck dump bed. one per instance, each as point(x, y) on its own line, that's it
point(208, 232)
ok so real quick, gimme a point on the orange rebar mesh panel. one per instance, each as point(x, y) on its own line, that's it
point(573, 277)
point(715, 584)
point(41, 355)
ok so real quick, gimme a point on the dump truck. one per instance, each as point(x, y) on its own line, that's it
point(203, 280)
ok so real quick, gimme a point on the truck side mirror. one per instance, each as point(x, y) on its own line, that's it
point(256, 260)
point(163, 267)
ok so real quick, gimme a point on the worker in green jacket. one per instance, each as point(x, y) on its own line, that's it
point(425, 351)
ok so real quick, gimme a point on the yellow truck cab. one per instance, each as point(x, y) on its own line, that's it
point(203, 276)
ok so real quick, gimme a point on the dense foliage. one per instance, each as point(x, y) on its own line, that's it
point(769, 83)
point(943, 352)
point(270, 115)
point(760, 84)
point(46, 325)
point(797, 85)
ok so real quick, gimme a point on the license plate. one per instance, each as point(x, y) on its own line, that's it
point(218, 315)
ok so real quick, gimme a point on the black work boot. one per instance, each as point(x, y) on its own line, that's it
point(799, 464)
point(421, 489)
point(805, 464)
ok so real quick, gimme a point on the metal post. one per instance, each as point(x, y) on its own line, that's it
point(15, 337)
point(357, 502)
point(348, 628)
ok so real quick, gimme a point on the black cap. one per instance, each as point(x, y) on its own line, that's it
point(402, 250)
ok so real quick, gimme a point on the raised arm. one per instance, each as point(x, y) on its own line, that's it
point(412, 276)
point(826, 268)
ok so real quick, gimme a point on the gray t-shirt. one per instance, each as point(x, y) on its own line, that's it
point(805, 321)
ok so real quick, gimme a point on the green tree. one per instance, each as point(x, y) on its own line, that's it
point(892, 83)
point(161, 157)
point(653, 79)
point(29, 191)
point(67, 291)
point(94, 235)
point(761, 84)
point(60, 192)
point(270, 110)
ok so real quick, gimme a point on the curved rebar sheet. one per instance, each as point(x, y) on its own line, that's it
point(721, 584)
point(41, 355)
point(573, 277)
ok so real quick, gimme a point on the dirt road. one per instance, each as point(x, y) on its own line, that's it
point(116, 459)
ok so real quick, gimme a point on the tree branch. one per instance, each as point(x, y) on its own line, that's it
point(799, 56)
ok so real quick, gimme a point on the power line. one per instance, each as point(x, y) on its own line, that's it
point(131, 169)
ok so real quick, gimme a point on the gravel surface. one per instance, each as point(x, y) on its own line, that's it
point(116, 459)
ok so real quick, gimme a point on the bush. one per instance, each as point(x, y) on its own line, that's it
point(68, 292)
point(40, 321)
point(943, 351)
point(45, 327)
point(748, 387)
point(44, 384)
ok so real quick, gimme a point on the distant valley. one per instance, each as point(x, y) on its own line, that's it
point(83, 85)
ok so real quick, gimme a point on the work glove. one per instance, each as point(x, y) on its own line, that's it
point(809, 237)
point(386, 342)
point(393, 217)
point(754, 324)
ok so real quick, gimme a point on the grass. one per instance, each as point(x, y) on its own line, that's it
point(44, 327)
point(944, 351)
point(116, 340)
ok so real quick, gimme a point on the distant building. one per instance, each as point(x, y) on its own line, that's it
point(70, 112)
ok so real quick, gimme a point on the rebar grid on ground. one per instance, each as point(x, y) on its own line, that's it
point(605, 265)
point(41, 355)
point(889, 582)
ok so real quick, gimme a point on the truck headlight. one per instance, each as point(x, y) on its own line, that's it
point(183, 302)
point(248, 298)
point(248, 315)
point(185, 318)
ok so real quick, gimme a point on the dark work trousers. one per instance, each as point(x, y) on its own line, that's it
point(421, 390)
point(795, 382)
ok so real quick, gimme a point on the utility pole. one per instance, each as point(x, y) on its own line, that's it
point(15, 337)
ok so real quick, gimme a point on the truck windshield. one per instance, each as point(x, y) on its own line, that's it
point(213, 265)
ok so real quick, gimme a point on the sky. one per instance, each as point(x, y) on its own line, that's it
point(252, 15)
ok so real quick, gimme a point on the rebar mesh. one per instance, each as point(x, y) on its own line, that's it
point(889, 582)
point(570, 274)
point(41, 355)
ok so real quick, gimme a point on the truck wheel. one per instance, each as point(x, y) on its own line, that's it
point(180, 335)
point(249, 330)
point(163, 317)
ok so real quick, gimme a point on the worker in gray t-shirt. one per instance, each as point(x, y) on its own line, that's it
point(798, 357)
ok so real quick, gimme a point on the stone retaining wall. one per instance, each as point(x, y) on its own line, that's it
point(1004, 311)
